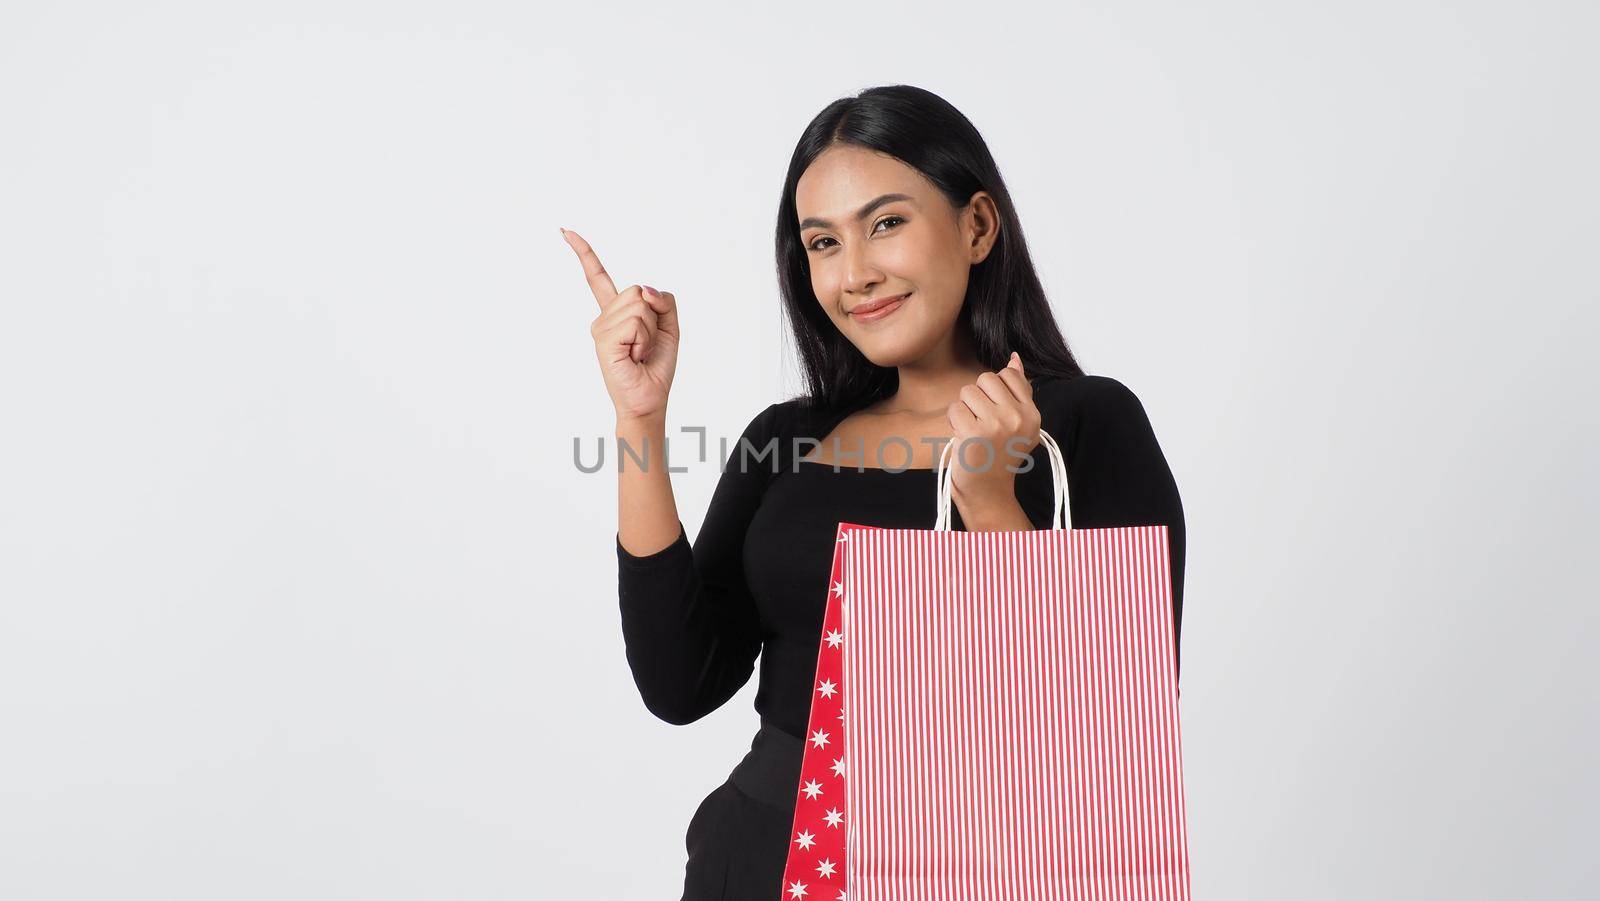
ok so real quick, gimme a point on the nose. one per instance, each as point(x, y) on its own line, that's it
point(860, 275)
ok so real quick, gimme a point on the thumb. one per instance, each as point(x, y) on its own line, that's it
point(1015, 362)
point(665, 304)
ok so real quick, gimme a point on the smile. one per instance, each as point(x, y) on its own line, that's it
point(880, 311)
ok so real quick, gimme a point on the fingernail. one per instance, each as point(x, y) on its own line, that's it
point(651, 291)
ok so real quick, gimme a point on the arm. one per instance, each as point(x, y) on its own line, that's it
point(689, 622)
point(1116, 472)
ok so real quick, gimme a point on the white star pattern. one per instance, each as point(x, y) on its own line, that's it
point(818, 861)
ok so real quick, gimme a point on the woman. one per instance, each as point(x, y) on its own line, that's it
point(919, 318)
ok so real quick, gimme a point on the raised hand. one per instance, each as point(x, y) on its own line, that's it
point(635, 338)
point(999, 419)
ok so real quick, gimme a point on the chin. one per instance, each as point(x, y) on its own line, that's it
point(889, 350)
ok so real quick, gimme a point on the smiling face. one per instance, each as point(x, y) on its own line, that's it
point(874, 228)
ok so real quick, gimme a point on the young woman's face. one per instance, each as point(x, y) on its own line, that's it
point(914, 244)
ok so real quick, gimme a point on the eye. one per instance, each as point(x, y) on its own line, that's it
point(895, 219)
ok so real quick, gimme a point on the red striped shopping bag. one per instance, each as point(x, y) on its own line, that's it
point(995, 716)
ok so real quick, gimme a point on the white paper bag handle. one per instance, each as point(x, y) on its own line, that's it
point(1061, 519)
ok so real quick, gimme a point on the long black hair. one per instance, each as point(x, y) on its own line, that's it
point(1005, 308)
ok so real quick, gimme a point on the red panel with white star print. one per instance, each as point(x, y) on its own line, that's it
point(815, 868)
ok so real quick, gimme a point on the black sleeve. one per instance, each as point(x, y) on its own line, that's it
point(1116, 472)
point(689, 623)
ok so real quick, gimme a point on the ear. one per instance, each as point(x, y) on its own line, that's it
point(983, 225)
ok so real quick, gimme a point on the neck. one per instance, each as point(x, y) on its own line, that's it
point(928, 386)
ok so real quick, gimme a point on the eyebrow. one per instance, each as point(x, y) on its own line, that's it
point(864, 212)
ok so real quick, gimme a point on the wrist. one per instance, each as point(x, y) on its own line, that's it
point(650, 424)
point(985, 491)
point(991, 508)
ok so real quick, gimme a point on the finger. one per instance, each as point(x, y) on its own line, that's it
point(978, 402)
point(644, 337)
point(665, 303)
point(1016, 363)
point(997, 391)
point(961, 419)
point(1018, 383)
point(631, 302)
point(616, 343)
point(594, 273)
point(963, 422)
point(627, 338)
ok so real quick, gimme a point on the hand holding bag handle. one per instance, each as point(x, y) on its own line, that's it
point(1061, 519)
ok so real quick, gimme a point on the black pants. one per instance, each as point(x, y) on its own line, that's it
point(738, 838)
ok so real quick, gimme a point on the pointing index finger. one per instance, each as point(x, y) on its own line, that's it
point(594, 273)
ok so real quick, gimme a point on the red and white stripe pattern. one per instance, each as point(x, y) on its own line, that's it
point(1012, 707)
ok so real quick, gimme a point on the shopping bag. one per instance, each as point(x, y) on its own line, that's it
point(994, 716)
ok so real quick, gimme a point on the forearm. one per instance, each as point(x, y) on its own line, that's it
point(647, 512)
point(689, 620)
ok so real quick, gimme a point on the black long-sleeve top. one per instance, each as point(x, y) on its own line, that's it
point(754, 582)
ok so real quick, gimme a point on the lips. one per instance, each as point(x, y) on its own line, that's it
point(877, 309)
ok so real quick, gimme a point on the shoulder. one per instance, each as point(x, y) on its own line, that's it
point(1084, 395)
point(772, 435)
point(773, 418)
point(773, 426)
point(1092, 411)
point(776, 419)
point(797, 417)
point(783, 423)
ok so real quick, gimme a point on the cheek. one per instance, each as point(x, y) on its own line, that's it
point(820, 290)
point(824, 281)
point(937, 318)
point(911, 258)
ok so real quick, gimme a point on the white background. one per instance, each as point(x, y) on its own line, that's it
point(302, 595)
